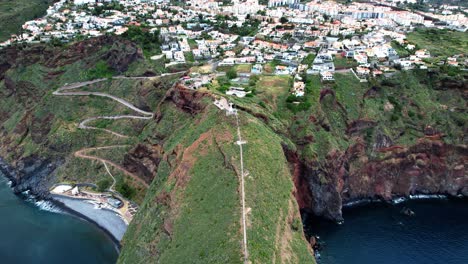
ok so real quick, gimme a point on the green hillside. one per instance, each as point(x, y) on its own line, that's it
point(185, 160)
point(13, 13)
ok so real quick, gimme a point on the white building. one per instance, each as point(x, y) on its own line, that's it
point(237, 91)
point(276, 3)
point(82, 2)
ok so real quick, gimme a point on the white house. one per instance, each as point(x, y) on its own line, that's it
point(362, 71)
point(257, 69)
point(422, 53)
point(298, 88)
point(327, 76)
point(82, 2)
point(237, 91)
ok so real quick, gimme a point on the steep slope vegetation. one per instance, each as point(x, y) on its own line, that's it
point(195, 195)
point(13, 13)
point(394, 136)
point(187, 153)
point(345, 141)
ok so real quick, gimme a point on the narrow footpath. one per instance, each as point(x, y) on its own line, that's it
point(240, 142)
point(82, 153)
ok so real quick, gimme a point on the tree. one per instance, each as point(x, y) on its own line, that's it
point(148, 41)
point(206, 36)
point(287, 36)
point(231, 73)
point(103, 185)
point(253, 80)
point(283, 20)
point(124, 189)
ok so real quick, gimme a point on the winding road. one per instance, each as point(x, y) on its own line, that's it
point(69, 90)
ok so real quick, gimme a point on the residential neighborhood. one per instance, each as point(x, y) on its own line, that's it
point(283, 38)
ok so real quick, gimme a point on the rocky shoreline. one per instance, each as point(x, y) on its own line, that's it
point(400, 199)
point(353, 177)
point(31, 173)
point(25, 185)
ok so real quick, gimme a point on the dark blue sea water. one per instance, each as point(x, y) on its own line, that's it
point(31, 235)
point(380, 234)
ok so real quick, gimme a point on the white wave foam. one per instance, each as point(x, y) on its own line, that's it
point(399, 200)
point(357, 202)
point(427, 196)
point(47, 206)
point(43, 205)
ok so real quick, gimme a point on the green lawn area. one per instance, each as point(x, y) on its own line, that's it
point(243, 68)
point(192, 43)
point(440, 42)
point(273, 85)
point(240, 68)
point(13, 13)
point(224, 68)
point(273, 90)
point(309, 59)
point(343, 62)
point(189, 56)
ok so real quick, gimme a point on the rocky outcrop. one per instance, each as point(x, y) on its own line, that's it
point(143, 160)
point(187, 100)
point(301, 191)
point(33, 174)
point(357, 126)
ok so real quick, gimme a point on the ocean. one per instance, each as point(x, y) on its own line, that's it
point(437, 233)
point(38, 232)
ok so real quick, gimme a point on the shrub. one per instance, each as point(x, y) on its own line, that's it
point(124, 189)
point(100, 70)
point(231, 73)
point(103, 185)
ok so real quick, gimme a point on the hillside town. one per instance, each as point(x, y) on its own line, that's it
point(234, 131)
point(282, 37)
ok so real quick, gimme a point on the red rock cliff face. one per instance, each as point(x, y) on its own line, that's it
point(301, 192)
point(431, 167)
point(187, 100)
point(119, 55)
point(372, 159)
